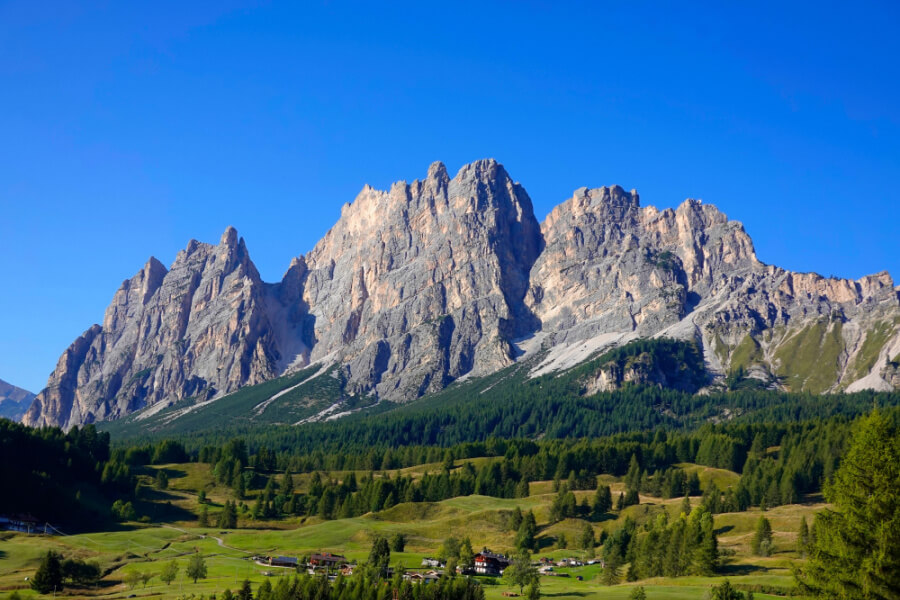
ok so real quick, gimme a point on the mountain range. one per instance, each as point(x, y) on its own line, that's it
point(445, 279)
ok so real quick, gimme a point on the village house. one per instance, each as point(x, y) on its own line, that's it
point(433, 562)
point(327, 560)
point(489, 563)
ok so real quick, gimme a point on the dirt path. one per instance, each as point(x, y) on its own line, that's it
point(218, 539)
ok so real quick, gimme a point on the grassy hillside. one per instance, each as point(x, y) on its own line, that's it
point(485, 520)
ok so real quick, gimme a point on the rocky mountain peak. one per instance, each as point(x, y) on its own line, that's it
point(426, 282)
point(229, 237)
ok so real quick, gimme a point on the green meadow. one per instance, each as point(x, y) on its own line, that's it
point(146, 547)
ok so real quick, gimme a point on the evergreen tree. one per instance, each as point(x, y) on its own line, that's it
point(287, 484)
point(516, 519)
point(561, 542)
point(526, 537)
point(522, 490)
point(228, 517)
point(761, 544)
point(633, 477)
point(726, 591)
point(245, 593)
point(803, 538)
point(380, 555)
point(398, 542)
point(587, 540)
point(162, 479)
point(203, 519)
point(466, 555)
point(856, 553)
point(602, 501)
point(638, 593)
point(612, 570)
point(48, 577)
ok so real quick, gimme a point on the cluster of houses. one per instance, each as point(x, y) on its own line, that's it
point(486, 563)
point(319, 561)
point(546, 565)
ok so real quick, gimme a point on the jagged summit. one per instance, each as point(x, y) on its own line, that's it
point(426, 282)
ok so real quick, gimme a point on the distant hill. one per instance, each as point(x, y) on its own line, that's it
point(14, 401)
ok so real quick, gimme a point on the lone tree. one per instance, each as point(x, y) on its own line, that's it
point(520, 572)
point(398, 542)
point(761, 545)
point(196, 567)
point(856, 548)
point(380, 555)
point(49, 574)
point(169, 572)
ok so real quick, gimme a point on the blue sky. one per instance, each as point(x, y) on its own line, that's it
point(130, 128)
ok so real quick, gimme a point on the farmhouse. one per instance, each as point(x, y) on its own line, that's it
point(433, 562)
point(489, 563)
point(327, 560)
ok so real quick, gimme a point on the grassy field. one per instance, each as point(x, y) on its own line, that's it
point(145, 548)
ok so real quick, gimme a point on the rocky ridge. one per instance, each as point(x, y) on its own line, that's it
point(438, 279)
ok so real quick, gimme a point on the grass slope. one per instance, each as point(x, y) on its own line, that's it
point(146, 548)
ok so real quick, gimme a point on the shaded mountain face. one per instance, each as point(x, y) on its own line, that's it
point(442, 278)
point(14, 401)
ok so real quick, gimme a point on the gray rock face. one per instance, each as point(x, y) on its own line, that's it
point(611, 266)
point(14, 401)
point(429, 281)
point(421, 284)
point(198, 329)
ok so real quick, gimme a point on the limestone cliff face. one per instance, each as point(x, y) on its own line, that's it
point(421, 284)
point(613, 267)
point(198, 329)
point(433, 280)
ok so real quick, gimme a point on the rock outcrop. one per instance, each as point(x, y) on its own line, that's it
point(442, 278)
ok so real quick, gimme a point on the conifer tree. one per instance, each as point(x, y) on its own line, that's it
point(856, 552)
point(49, 574)
point(761, 544)
point(602, 501)
point(587, 540)
point(803, 539)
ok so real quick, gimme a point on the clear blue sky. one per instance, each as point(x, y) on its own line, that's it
point(128, 128)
